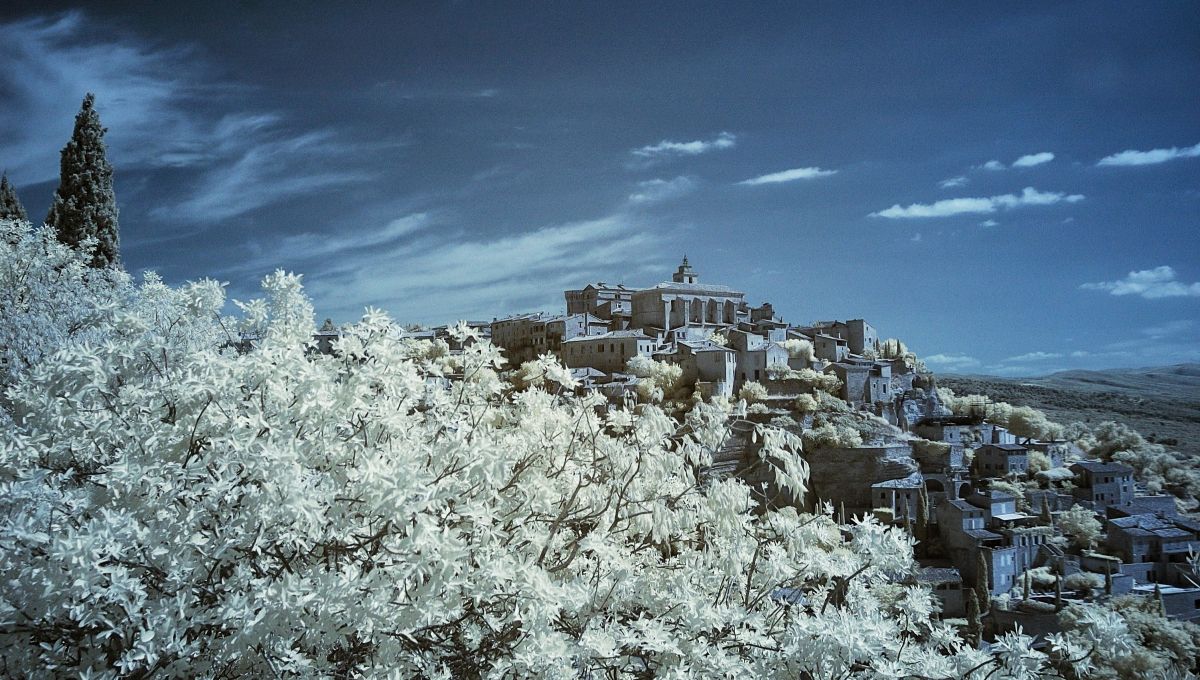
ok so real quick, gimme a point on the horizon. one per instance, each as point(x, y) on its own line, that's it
point(1003, 201)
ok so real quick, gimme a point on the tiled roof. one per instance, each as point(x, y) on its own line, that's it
point(1095, 466)
point(708, 288)
point(611, 335)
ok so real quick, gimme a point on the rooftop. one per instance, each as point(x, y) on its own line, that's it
point(705, 288)
point(611, 335)
point(1095, 466)
point(1006, 447)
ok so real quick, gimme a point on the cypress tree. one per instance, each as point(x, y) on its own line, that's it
point(1046, 518)
point(974, 623)
point(10, 205)
point(923, 515)
point(982, 591)
point(84, 205)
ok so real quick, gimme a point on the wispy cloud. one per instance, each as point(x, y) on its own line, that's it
point(953, 182)
point(993, 165)
point(978, 206)
point(1033, 357)
point(306, 251)
point(951, 362)
point(1030, 160)
point(1151, 157)
point(143, 94)
point(1169, 329)
point(444, 276)
point(273, 167)
point(788, 176)
point(1152, 284)
point(989, 223)
point(163, 109)
point(725, 140)
point(655, 190)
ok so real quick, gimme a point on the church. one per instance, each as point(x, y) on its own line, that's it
point(685, 308)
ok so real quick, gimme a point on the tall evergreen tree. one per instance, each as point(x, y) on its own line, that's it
point(10, 205)
point(983, 590)
point(84, 205)
point(974, 622)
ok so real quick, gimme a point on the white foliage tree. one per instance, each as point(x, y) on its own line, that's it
point(172, 505)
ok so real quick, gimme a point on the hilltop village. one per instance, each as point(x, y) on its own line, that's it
point(1008, 527)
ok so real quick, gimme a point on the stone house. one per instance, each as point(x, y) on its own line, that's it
point(514, 335)
point(714, 366)
point(609, 352)
point(900, 496)
point(947, 586)
point(857, 334)
point(998, 460)
point(830, 348)
point(602, 300)
point(755, 355)
point(548, 334)
point(1155, 548)
point(1102, 484)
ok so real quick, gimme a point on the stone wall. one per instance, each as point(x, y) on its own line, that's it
point(846, 475)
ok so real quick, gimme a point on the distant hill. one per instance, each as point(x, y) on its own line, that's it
point(1162, 403)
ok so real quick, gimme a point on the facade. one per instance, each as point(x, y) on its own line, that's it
point(514, 335)
point(685, 302)
point(998, 460)
point(608, 353)
point(857, 333)
point(1103, 484)
point(601, 300)
point(830, 348)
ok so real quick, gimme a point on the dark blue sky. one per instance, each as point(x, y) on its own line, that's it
point(954, 173)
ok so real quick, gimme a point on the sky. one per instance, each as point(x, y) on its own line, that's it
point(1010, 188)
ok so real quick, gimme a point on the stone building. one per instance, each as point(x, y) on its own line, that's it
point(524, 337)
point(755, 355)
point(684, 302)
point(1102, 484)
point(1154, 548)
point(999, 460)
point(608, 353)
point(608, 302)
point(830, 347)
point(858, 335)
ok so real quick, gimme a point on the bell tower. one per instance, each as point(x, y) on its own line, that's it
point(685, 273)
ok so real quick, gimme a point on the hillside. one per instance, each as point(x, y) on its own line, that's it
point(1163, 403)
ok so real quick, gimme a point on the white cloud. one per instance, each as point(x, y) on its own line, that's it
point(916, 238)
point(1170, 328)
point(951, 362)
point(993, 165)
point(1030, 160)
point(788, 176)
point(725, 140)
point(1033, 357)
point(1159, 282)
point(978, 206)
point(1151, 157)
point(953, 182)
point(655, 190)
point(989, 223)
